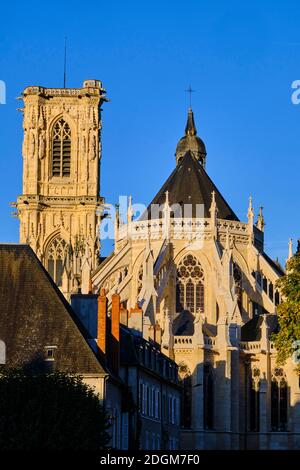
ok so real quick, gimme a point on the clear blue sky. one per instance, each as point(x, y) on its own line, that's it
point(240, 57)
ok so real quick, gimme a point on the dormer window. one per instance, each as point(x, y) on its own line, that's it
point(50, 353)
point(61, 149)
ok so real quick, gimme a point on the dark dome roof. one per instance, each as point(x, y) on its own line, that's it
point(191, 142)
point(190, 184)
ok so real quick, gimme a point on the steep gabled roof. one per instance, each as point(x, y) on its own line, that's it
point(190, 184)
point(34, 314)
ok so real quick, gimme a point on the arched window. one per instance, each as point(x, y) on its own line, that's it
point(186, 402)
point(238, 284)
point(265, 284)
point(190, 286)
point(279, 401)
point(140, 279)
point(61, 149)
point(271, 291)
point(208, 397)
point(55, 256)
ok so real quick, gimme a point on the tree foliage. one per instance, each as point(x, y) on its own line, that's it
point(288, 311)
point(54, 411)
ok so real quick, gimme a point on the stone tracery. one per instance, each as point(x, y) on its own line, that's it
point(190, 285)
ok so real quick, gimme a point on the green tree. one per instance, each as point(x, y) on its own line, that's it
point(288, 311)
point(51, 411)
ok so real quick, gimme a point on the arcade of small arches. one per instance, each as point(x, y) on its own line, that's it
point(115, 278)
point(267, 286)
point(278, 404)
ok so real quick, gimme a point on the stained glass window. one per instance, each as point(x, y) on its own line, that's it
point(190, 285)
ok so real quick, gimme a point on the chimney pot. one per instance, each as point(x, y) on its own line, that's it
point(115, 332)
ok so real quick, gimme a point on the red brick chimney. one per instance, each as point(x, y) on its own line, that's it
point(102, 322)
point(115, 333)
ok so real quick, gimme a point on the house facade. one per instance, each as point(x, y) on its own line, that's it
point(38, 328)
point(151, 400)
point(153, 380)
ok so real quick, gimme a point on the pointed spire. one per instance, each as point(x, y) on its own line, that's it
point(117, 224)
point(167, 199)
point(167, 213)
point(190, 128)
point(213, 214)
point(290, 248)
point(129, 217)
point(213, 198)
point(148, 247)
point(213, 206)
point(264, 328)
point(129, 210)
point(190, 142)
point(250, 221)
point(260, 224)
point(250, 208)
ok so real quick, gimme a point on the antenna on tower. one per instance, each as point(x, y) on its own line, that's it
point(65, 63)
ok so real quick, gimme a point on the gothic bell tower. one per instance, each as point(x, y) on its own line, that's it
point(60, 208)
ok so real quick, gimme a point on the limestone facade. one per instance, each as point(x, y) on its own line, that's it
point(206, 289)
point(60, 207)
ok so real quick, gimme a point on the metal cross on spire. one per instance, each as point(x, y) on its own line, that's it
point(190, 91)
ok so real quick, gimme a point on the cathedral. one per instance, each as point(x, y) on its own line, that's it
point(192, 278)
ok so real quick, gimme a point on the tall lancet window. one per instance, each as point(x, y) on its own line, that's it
point(185, 378)
point(279, 401)
point(208, 397)
point(55, 256)
point(190, 285)
point(254, 385)
point(61, 149)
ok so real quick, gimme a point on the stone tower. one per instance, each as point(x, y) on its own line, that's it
point(60, 208)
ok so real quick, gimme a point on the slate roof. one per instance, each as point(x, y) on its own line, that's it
point(128, 352)
point(183, 324)
point(276, 266)
point(131, 347)
point(190, 184)
point(251, 330)
point(34, 314)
